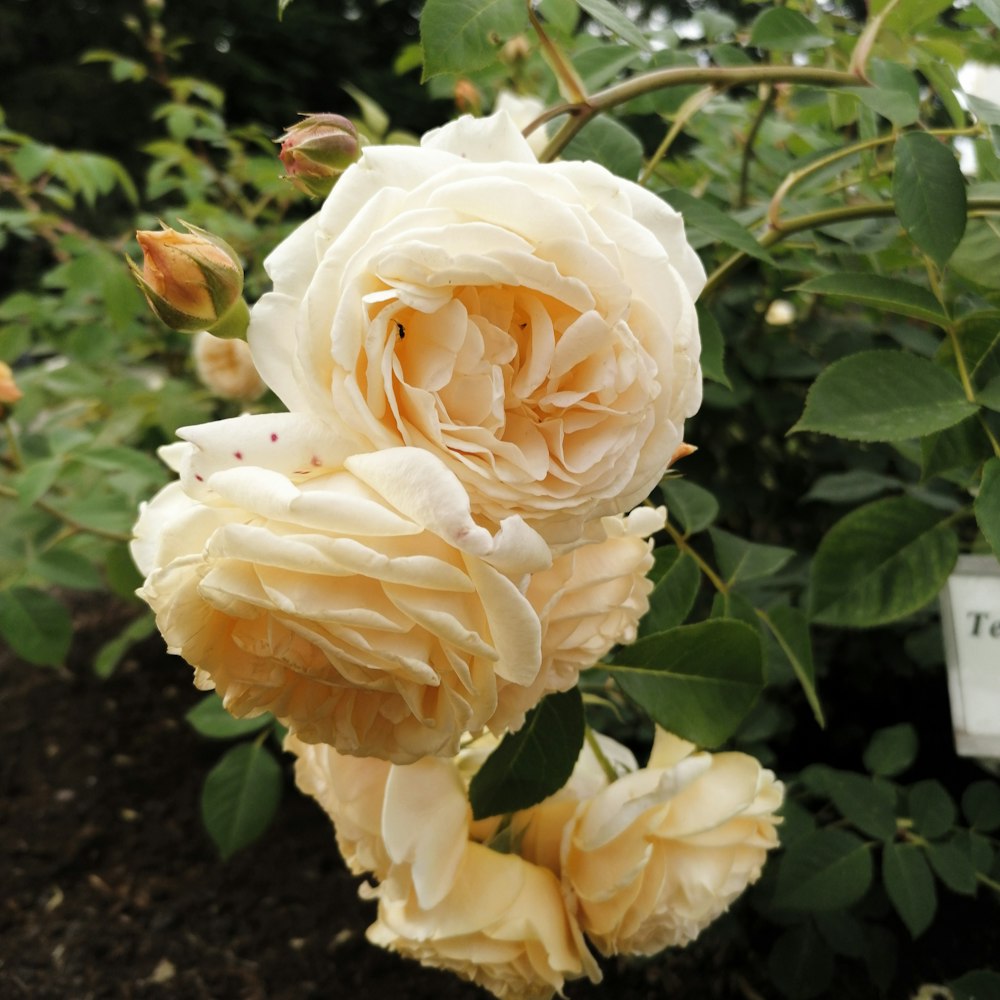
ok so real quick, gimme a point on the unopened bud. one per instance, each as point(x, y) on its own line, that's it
point(780, 312)
point(317, 150)
point(515, 49)
point(9, 392)
point(226, 367)
point(193, 281)
point(467, 96)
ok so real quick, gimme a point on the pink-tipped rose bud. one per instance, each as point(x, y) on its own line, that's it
point(317, 150)
point(9, 392)
point(193, 281)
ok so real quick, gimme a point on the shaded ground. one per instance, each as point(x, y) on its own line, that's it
point(109, 888)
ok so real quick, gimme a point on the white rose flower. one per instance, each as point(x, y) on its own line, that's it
point(353, 597)
point(444, 899)
point(654, 857)
point(532, 325)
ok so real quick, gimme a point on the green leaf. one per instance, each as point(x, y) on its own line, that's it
point(981, 984)
point(901, 107)
point(784, 30)
point(698, 681)
point(208, 718)
point(615, 21)
point(954, 867)
point(910, 886)
point(826, 870)
point(929, 191)
point(790, 629)
point(867, 804)
point(741, 561)
point(850, 487)
point(713, 347)
point(989, 395)
point(692, 505)
point(987, 505)
point(110, 654)
point(564, 15)
point(674, 595)
point(963, 446)
point(607, 142)
point(533, 763)
point(883, 396)
point(981, 805)
point(931, 808)
point(459, 36)
point(881, 562)
point(891, 750)
point(67, 568)
point(240, 797)
point(800, 963)
point(892, 294)
point(36, 625)
point(701, 214)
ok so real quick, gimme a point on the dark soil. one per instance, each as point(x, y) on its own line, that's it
point(110, 888)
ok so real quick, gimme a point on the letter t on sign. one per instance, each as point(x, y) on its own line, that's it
point(970, 620)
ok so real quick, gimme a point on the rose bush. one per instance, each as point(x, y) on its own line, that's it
point(532, 325)
point(353, 597)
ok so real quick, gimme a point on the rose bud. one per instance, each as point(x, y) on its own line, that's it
point(9, 392)
point(193, 281)
point(317, 150)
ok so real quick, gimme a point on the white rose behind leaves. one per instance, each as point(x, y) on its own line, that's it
point(353, 597)
point(532, 325)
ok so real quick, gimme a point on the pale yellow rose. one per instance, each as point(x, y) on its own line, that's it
point(654, 857)
point(225, 366)
point(444, 899)
point(353, 597)
point(503, 925)
point(532, 325)
point(588, 601)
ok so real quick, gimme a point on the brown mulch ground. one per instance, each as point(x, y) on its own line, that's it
point(109, 887)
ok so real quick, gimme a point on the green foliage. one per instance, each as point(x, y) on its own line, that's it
point(240, 797)
point(534, 762)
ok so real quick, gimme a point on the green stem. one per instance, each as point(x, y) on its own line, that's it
point(570, 84)
point(987, 881)
point(720, 77)
point(685, 113)
point(748, 153)
point(606, 766)
point(828, 217)
point(682, 543)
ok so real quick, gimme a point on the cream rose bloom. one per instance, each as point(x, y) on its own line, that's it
point(444, 899)
point(588, 601)
point(532, 325)
point(353, 597)
point(654, 857)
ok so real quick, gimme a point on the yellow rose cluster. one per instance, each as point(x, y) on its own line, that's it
point(632, 865)
point(486, 363)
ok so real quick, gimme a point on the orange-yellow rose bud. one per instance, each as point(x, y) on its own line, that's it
point(317, 150)
point(467, 97)
point(9, 392)
point(193, 281)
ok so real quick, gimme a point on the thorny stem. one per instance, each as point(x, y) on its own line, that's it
point(720, 77)
point(682, 543)
point(606, 766)
point(797, 176)
point(748, 153)
point(570, 83)
point(827, 217)
point(685, 113)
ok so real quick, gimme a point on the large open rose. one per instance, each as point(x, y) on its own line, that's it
point(532, 325)
point(354, 597)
